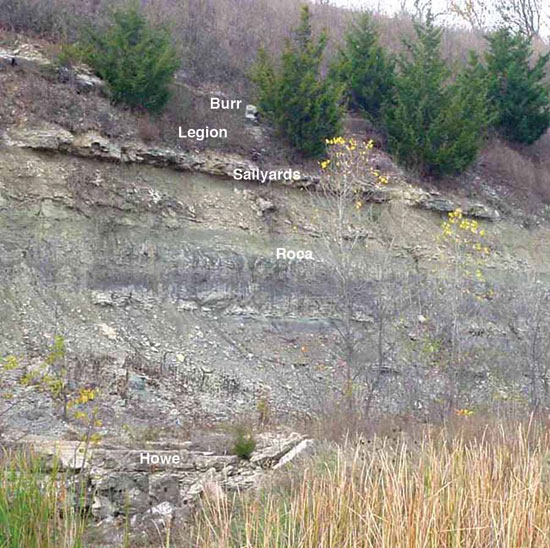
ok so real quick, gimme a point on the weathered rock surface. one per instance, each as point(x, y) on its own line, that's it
point(30, 57)
point(25, 56)
point(251, 113)
point(118, 480)
point(272, 454)
point(52, 138)
point(432, 201)
point(92, 145)
point(166, 285)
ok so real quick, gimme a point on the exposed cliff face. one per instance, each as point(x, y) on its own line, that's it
point(161, 272)
point(164, 271)
point(167, 280)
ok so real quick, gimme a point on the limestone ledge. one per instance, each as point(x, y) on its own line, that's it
point(52, 138)
point(118, 480)
point(30, 57)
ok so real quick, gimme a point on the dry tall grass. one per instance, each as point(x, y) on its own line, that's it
point(491, 491)
point(525, 172)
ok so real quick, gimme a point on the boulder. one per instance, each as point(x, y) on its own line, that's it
point(164, 487)
point(124, 489)
point(86, 82)
point(246, 479)
point(264, 206)
point(63, 454)
point(436, 203)
point(26, 56)
point(301, 449)
point(482, 211)
point(270, 455)
point(251, 113)
point(102, 507)
point(205, 461)
point(92, 144)
point(30, 57)
point(164, 509)
point(259, 204)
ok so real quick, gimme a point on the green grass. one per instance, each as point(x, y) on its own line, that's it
point(37, 507)
point(244, 442)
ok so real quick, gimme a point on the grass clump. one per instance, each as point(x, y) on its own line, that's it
point(36, 506)
point(244, 442)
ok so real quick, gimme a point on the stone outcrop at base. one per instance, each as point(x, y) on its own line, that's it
point(121, 480)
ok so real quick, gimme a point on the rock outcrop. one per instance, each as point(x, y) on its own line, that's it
point(53, 138)
point(164, 479)
point(30, 57)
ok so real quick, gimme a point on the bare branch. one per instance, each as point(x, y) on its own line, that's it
point(523, 16)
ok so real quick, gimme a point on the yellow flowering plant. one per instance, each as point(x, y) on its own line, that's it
point(464, 412)
point(349, 160)
point(52, 377)
point(470, 247)
point(348, 179)
point(465, 290)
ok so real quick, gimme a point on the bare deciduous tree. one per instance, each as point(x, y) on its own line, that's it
point(475, 13)
point(523, 16)
point(361, 287)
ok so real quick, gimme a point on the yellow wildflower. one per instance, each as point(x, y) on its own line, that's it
point(464, 412)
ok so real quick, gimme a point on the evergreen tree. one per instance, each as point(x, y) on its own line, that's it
point(517, 91)
point(302, 104)
point(365, 69)
point(137, 60)
point(435, 127)
point(458, 133)
point(263, 75)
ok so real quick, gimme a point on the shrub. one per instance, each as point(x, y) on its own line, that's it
point(304, 106)
point(135, 58)
point(365, 69)
point(435, 127)
point(243, 442)
point(516, 89)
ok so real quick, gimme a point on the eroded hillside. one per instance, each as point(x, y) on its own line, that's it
point(165, 282)
point(186, 295)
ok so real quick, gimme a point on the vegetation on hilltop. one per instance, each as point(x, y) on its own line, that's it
point(136, 59)
point(518, 92)
point(307, 109)
point(435, 126)
point(302, 104)
point(365, 68)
